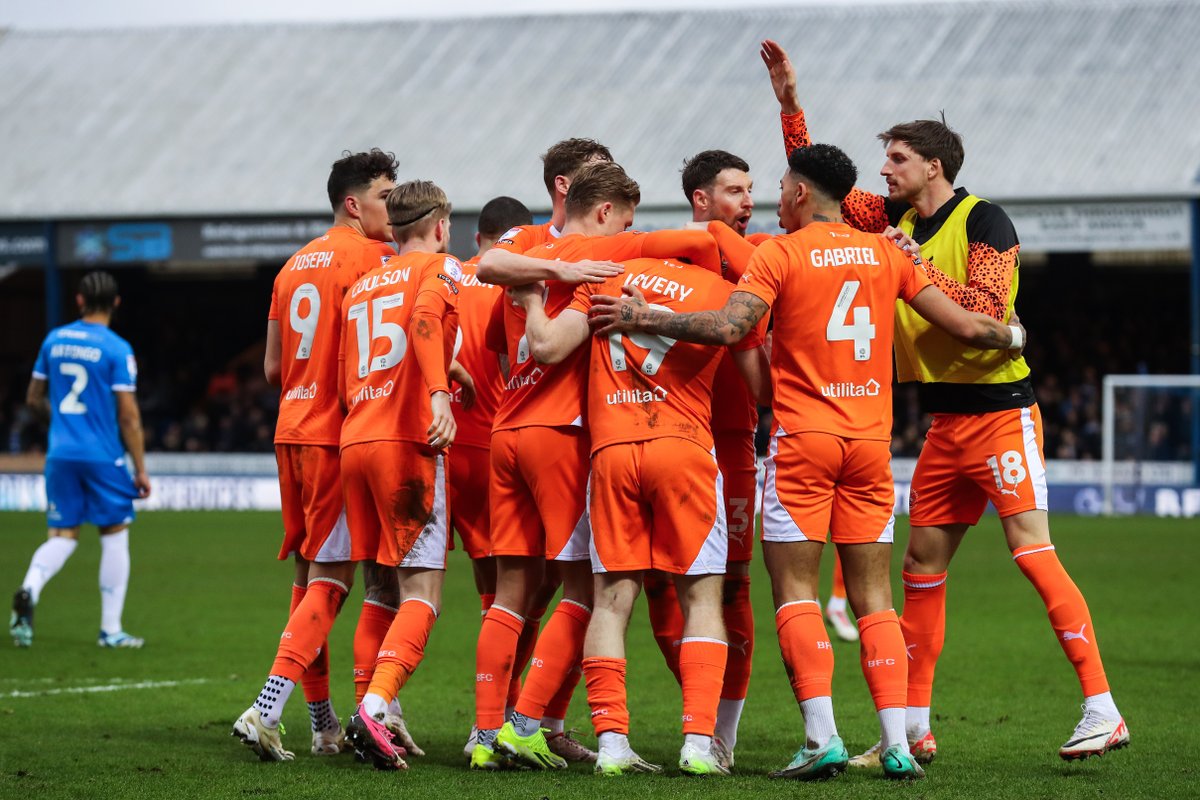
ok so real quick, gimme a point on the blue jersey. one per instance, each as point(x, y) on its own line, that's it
point(84, 364)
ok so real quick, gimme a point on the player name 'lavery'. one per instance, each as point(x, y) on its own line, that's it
point(660, 285)
point(318, 260)
point(842, 256)
point(380, 279)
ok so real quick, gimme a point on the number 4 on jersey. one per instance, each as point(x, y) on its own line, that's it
point(861, 331)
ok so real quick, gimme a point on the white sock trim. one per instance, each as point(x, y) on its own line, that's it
point(924, 584)
point(333, 581)
point(1031, 552)
point(816, 603)
point(687, 639)
point(379, 604)
point(574, 603)
point(432, 607)
point(509, 611)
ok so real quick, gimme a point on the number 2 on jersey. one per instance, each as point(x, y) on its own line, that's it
point(861, 331)
point(368, 331)
point(79, 380)
point(657, 347)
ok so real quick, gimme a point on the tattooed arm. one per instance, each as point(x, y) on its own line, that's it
point(722, 326)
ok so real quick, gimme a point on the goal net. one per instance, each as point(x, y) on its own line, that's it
point(1151, 444)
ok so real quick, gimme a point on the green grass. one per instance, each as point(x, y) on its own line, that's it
point(210, 599)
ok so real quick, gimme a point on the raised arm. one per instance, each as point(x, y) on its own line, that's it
point(550, 340)
point(723, 326)
point(969, 327)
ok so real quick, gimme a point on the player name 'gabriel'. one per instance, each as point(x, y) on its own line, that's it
point(842, 256)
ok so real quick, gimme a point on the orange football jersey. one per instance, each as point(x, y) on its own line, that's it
point(553, 394)
point(306, 300)
point(644, 386)
point(475, 303)
point(387, 397)
point(523, 238)
point(833, 291)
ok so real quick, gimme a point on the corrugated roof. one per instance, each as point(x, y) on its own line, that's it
point(1055, 100)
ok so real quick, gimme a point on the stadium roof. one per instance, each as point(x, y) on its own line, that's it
point(1056, 99)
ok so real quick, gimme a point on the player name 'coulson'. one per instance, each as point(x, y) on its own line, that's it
point(312, 260)
point(841, 256)
point(660, 285)
point(382, 279)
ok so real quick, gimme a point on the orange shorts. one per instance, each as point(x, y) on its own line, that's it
point(396, 503)
point(739, 475)
point(310, 489)
point(538, 493)
point(655, 505)
point(470, 467)
point(819, 483)
point(969, 459)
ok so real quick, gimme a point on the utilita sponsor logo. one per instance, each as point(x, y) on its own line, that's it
point(302, 392)
point(369, 392)
point(656, 395)
point(868, 389)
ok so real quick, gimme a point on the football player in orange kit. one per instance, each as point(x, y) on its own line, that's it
point(540, 461)
point(832, 290)
point(649, 402)
point(398, 333)
point(985, 442)
point(303, 342)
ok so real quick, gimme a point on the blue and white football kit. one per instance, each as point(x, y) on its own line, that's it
point(87, 479)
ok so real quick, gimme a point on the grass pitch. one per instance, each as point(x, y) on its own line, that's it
point(206, 592)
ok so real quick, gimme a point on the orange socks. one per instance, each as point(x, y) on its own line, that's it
point(884, 664)
point(558, 707)
point(807, 653)
point(304, 637)
point(558, 650)
point(1068, 613)
point(373, 625)
point(525, 645)
point(702, 669)
point(923, 626)
point(485, 602)
point(403, 647)
point(605, 679)
point(839, 584)
point(666, 617)
point(494, 657)
point(739, 627)
point(316, 678)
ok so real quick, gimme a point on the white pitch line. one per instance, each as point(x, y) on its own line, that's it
point(110, 687)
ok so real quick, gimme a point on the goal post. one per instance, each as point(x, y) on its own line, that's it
point(1137, 412)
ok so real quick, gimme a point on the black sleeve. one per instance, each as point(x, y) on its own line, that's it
point(988, 224)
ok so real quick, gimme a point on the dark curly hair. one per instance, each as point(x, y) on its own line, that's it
point(826, 168)
point(701, 170)
point(354, 172)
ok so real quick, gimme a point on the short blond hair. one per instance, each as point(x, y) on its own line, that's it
point(414, 207)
